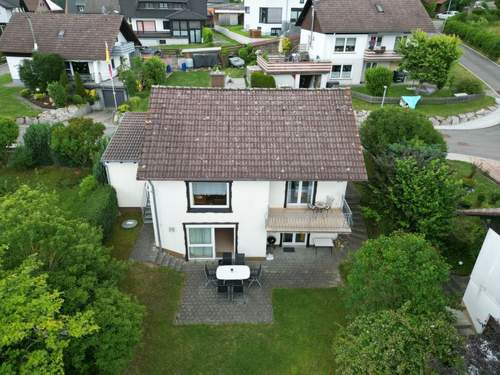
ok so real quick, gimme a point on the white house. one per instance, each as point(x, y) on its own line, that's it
point(80, 39)
point(272, 17)
point(7, 8)
point(482, 296)
point(238, 167)
point(350, 37)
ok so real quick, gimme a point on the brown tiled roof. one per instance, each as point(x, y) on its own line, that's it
point(362, 16)
point(84, 35)
point(259, 134)
point(126, 143)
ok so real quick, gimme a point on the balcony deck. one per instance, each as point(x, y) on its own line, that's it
point(277, 64)
point(306, 220)
point(386, 55)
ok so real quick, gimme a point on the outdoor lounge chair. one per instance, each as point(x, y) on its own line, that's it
point(240, 259)
point(255, 275)
point(222, 287)
point(238, 288)
point(210, 275)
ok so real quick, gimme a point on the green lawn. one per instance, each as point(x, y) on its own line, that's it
point(235, 72)
point(239, 29)
point(494, 27)
point(220, 40)
point(194, 78)
point(10, 104)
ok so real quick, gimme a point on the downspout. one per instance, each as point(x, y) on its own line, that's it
point(157, 225)
point(312, 25)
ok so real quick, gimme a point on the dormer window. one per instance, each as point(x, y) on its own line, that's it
point(380, 8)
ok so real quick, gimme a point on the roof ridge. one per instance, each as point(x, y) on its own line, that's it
point(250, 88)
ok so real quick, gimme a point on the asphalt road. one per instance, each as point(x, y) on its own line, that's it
point(481, 66)
point(484, 143)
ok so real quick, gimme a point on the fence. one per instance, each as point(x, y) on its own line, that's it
point(425, 100)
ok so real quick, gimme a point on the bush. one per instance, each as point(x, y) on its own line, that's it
point(20, 158)
point(262, 80)
point(39, 96)
point(98, 170)
point(208, 35)
point(286, 45)
point(247, 53)
point(100, 208)
point(154, 72)
point(122, 108)
point(77, 99)
point(63, 79)
point(87, 186)
point(9, 131)
point(387, 126)
point(134, 102)
point(79, 87)
point(25, 93)
point(377, 78)
point(486, 41)
point(467, 84)
point(129, 79)
point(58, 94)
point(37, 143)
point(41, 70)
point(76, 143)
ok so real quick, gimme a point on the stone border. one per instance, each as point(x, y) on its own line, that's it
point(424, 100)
point(53, 116)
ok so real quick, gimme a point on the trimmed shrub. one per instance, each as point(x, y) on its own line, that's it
point(468, 84)
point(154, 72)
point(63, 79)
point(25, 93)
point(58, 94)
point(37, 142)
point(100, 208)
point(129, 79)
point(377, 78)
point(79, 87)
point(20, 158)
point(87, 186)
point(98, 170)
point(77, 99)
point(247, 53)
point(39, 96)
point(262, 80)
point(122, 108)
point(287, 45)
point(208, 35)
point(9, 131)
point(134, 102)
point(41, 70)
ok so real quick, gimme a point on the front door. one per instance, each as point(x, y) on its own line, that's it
point(294, 239)
point(194, 36)
point(210, 241)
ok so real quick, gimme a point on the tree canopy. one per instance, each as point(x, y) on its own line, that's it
point(387, 272)
point(42, 69)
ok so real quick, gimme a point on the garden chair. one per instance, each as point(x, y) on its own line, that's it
point(227, 259)
point(210, 275)
point(240, 259)
point(255, 275)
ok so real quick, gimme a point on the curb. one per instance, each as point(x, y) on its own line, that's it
point(488, 121)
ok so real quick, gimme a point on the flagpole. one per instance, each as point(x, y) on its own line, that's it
point(110, 68)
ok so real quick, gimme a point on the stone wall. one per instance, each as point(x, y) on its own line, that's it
point(52, 116)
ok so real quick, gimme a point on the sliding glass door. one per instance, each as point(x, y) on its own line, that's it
point(210, 241)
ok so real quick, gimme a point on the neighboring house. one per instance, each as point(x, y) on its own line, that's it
point(237, 167)
point(8, 7)
point(272, 17)
point(225, 14)
point(93, 6)
point(350, 37)
point(158, 22)
point(79, 39)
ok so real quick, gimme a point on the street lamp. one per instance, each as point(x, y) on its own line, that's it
point(383, 97)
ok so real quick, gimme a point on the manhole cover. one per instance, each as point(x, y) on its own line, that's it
point(129, 224)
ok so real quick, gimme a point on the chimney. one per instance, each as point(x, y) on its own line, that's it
point(217, 79)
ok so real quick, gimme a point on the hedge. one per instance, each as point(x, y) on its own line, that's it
point(486, 41)
point(262, 80)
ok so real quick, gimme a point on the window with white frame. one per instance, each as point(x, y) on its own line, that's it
point(294, 14)
point(341, 72)
point(208, 194)
point(270, 15)
point(345, 44)
point(299, 192)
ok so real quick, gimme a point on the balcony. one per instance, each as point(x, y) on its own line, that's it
point(334, 220)
point(279, 64)
point(381, 54)
point(120, 49)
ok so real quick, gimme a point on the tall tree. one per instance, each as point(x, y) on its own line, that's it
point(429, 58)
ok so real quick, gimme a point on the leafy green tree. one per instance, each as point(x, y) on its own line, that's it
point(70, 250)
point(129, 79)
point(33, 331)
point(9, 131)
point(387, 272)
point(397, 342)
point(429, 58)
point(76, 143)
point(376, 78)
point(98, 170)
point(63, 79)
point(386, 126)
point(58, 94)
point(37, 142)
point(414, 193)
point(79, 87)
point(154, 72)
point(208, 35)
point(41, 70)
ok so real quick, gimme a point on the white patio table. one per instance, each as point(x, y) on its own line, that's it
point(232, 272)
point(323, 242)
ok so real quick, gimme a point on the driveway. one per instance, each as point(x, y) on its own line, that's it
point(481, 66)
point(484, 143)
point(4, 69)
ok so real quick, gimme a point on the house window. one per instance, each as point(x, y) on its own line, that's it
point(208, 194)
point(143, 26)
point(379, 41)
point(299, 192)
point(166, 25)
point(200, 242)
point(82, 67)
point(162, 5)
point(270, 15)
point(163, 41)
point(247, 10)
point(180, 28)
point(341, 71)
point(301, 2)
point(113, 63)
point(294, 238)
point(276, 31)
point(294, 14)
point(209, 241)
point(80, 8)
point(370, 65)
point(345, 44)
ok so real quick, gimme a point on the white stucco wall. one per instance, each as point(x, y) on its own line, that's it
point(285, 80)
point(5, 15)
point(154, 42)
point(14, 63)
point(129, 191)
point(482, 296)
point(250, 200)
point(251, 19)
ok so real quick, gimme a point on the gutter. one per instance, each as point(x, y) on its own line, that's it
point(156, 224)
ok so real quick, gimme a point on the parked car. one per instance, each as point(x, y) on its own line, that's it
point(446, 15)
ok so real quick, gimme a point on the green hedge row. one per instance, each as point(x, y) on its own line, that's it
point(486, 41)
point(262, 80)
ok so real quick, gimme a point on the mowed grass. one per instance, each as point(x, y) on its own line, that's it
point(300, 341)
point(10, 104)
point(194, 78)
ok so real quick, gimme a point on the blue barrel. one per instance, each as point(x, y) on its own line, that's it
point(169, 68)
point(184, 67)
